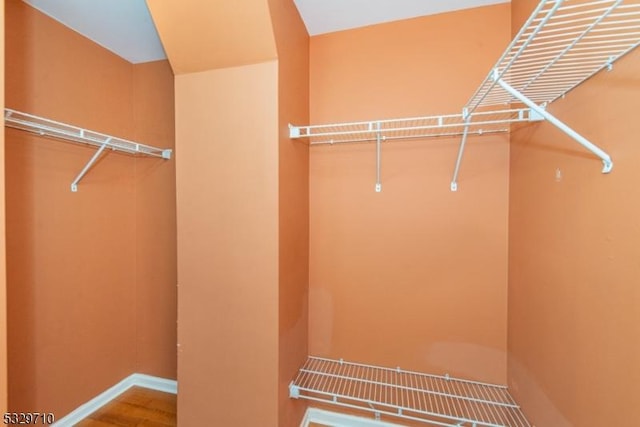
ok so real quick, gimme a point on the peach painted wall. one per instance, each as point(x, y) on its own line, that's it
point(69, 254)
point(292, 41)
point(574, 300)
point(238, 114)
point(227, 198)
point(156, 268)
point(3, 253)
point(71, 257)
point(415, 276)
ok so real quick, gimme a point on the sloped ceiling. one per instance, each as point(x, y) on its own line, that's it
point(126, 28)
point(201, 35)
point(326, 16)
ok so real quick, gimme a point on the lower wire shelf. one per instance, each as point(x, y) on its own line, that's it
point(432, 399)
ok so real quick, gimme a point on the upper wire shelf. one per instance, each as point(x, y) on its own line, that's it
point(562, 44)
point(450, 125)
point(47, 127)
point(432, 399)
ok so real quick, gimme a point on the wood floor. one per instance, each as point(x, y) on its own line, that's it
point(136, 407)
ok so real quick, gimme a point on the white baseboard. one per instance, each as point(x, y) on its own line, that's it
point(335, 419)
point(155, 383)
point(140, 380)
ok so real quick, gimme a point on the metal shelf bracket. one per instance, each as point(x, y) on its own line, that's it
point(463, 143)
point(379, 139)
point(540, 111)
point(50, 128)
point(91, 162)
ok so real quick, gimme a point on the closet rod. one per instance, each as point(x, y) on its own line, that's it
point(51, 128)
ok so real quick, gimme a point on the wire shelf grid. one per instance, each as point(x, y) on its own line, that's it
point(45, 127)
point(563, 43)
point(432, 399)
point(451, 125)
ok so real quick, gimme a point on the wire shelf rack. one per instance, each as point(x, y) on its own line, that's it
point(450, 125)
point(432, 399)
point(51, 128)
point(46, 127)
point(562, 44)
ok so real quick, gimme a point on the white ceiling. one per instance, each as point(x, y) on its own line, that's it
point(125, 27)
point(326, 16)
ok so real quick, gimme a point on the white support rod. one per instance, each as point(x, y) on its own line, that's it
point(378, 159)
point(83, 172)
point(606, 159)
point(463, 143)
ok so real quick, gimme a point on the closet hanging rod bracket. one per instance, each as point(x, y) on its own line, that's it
point(465, 134)
point(70, 133)
point(379, 139)
point(91, 162)
point(541, 111)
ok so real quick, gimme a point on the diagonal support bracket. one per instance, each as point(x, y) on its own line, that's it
point(463, 143)
point(378, 159)
point(91, 162)
point(606, 159)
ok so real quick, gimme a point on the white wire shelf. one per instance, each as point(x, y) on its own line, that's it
point(562, 44)
point(450, 125)
point(432, 399)
point(50, 128)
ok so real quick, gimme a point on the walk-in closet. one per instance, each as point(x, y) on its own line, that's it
point(334, 214)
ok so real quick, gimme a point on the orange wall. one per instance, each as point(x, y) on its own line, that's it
point(3, 281)
point(200, 35)
point(574, 301)
point(250, 218)
point(69, 254)
point(227, 198)
point(415, 276)
point(71, 257)
point(293, 107)
point(156, 269)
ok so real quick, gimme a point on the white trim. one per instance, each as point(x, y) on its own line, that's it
point(155, 383)
point(140, 380)
point(334, 419)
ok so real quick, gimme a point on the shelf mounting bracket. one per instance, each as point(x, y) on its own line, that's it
point(378, 159)
point(606, 159)
point(294, 391)
point(463, 143)
point(91, 162)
